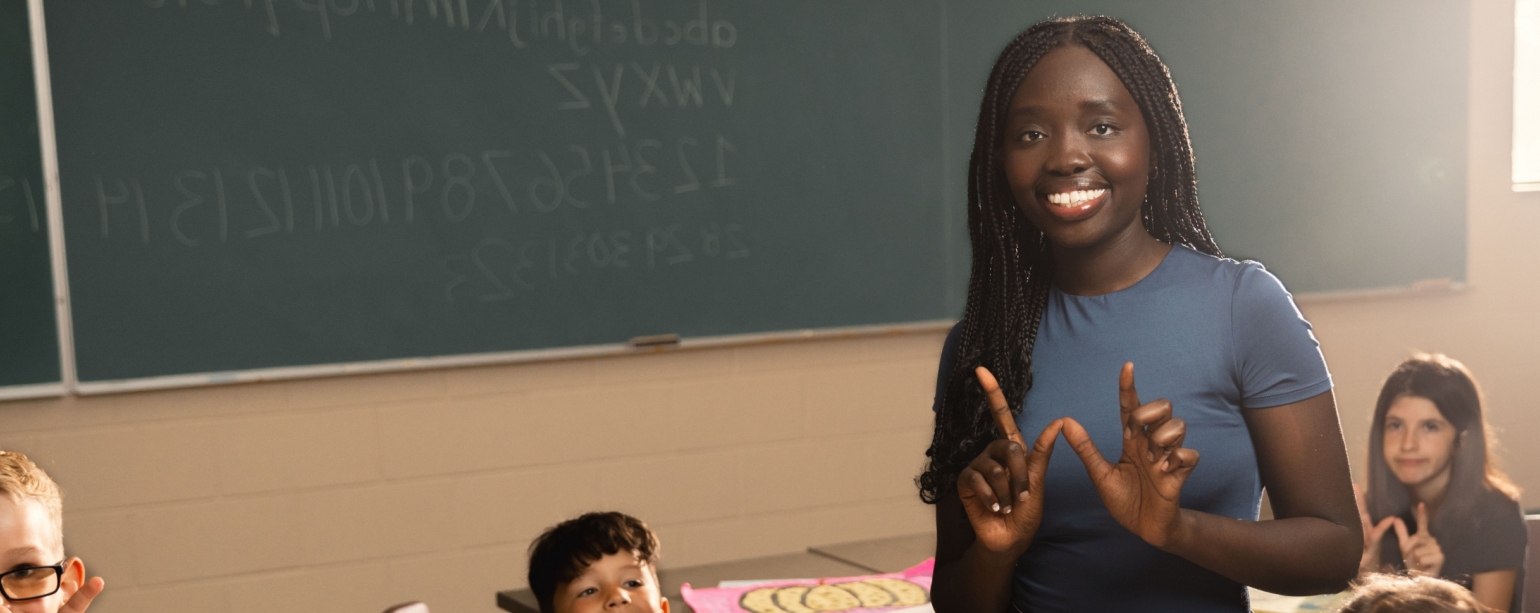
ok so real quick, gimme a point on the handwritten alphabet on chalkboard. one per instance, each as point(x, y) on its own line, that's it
point(525, 22)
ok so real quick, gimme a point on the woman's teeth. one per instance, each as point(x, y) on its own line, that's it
point(1076, 198)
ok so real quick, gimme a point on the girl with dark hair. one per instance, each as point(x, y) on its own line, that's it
point(1090, 254)
point(1437, 503)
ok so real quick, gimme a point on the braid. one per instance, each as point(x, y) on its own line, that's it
point(1012, 270)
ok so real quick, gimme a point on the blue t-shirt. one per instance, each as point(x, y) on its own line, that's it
point(1215, 337)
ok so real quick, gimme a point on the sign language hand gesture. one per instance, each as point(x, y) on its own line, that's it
point(1373, 534)
point(1001, 490)
point(1142, 489)
point(1420, 551)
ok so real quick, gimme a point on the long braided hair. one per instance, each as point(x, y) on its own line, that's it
point(1012, 264)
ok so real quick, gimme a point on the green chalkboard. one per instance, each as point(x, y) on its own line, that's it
point(268, 183)
point(1330, 135)
point(29, 342)
point(280, 183)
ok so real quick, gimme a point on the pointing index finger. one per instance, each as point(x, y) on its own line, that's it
point(999, 408)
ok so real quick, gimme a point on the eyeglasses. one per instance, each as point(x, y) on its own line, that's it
point(31, 582)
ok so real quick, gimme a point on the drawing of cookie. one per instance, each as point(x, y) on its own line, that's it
point(830, 598)
point(761, 600)
point(790, 599)
point(870, 595)
point(906, 593)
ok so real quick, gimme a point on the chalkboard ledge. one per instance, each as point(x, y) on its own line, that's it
point(505, 357)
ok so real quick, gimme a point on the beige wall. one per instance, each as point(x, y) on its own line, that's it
point(350, 494)
point(1494, 327)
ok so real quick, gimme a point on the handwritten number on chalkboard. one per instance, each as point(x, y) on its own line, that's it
point(588, 169)
point(449, 288)
point(461, 180)
point(497, 177)
point(740, 249)
point(554, 181)
point(693, 184)
point(353, 175)
point(644, 168)
point(411, 186)
point(621, 242)
point(256, 195)
point(573, 254)
point(723, 148)
point(503, 293)
point(193, 200)
point(610, 168)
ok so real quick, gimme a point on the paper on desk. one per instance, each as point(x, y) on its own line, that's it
point(1266, 602)
point(907, 591)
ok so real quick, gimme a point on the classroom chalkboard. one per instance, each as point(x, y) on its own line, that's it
point(29, 343)
point(250, 184)
point(279, 183)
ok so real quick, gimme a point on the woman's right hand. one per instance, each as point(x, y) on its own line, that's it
point(1373, 534)
point(1001, 490)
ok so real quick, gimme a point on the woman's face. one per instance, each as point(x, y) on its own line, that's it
point(1419, 443)
point(1077, 152)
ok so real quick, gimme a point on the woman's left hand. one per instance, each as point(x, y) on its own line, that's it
point(1142, 491)
point(1420, 551)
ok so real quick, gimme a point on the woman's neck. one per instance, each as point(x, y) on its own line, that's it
point(1114, 265)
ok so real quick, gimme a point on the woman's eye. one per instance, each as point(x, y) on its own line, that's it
point(1032, 135)
point(1103, 129)
point(1432, 426)
point(1393, 426)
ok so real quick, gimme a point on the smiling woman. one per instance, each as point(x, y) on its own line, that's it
point(1090, 254)
point(1437, 503)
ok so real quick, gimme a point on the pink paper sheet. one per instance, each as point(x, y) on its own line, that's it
point(863, 594)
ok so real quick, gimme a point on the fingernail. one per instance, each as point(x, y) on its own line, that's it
point(1022, 496)
point(1128, 433)
point(995, 507)
point(1007, 510)
point(1166, 465)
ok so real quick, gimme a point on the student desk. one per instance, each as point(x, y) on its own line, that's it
point(838, 560)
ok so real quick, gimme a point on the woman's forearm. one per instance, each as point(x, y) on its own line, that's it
point(1293, 556)
point(979, 581)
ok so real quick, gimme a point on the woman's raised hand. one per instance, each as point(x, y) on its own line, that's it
point(1001, 490)
point(1142, 490)
point(1420, 551)
point(1373, 534)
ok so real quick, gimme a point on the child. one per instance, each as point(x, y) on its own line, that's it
point(1437, 503)
point(35, 577)
point(596, 562)
point(1413, 594)
point(1090, 255)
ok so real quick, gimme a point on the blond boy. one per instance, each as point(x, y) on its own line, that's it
point(35, 577)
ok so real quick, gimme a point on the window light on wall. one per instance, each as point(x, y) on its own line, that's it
point(1526, 96)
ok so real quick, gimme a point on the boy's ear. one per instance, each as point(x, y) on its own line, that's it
point(74, 577)
point(663, 602)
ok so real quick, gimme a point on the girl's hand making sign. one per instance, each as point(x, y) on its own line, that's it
point(1001, 490)
point(1142, 490)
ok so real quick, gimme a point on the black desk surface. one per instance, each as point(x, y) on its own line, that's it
point(844, 559)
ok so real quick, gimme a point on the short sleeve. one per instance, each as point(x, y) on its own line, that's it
point(1277, 360)
point(948, 359)
point(1501, 540)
